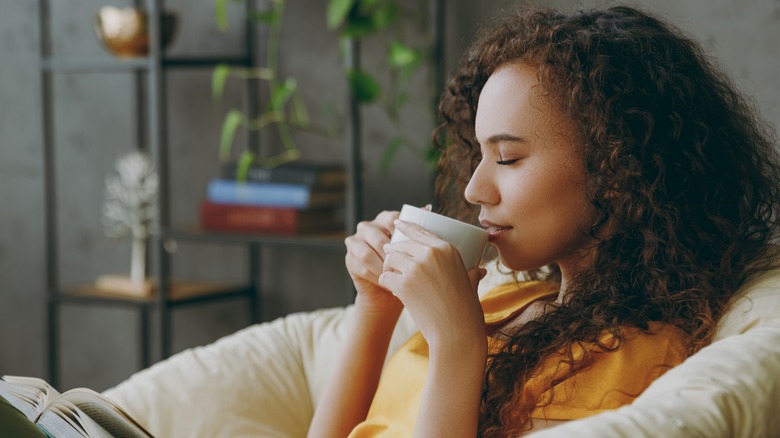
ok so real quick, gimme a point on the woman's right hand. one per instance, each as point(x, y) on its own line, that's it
point(364, 261)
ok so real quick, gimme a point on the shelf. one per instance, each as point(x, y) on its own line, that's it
point(181, 293)
point(334, 240)
point(108, 64)
point(151, 122)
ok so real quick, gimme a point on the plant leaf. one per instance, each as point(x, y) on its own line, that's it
point(367, 5)
point(337, 13)
point(281, 93)
point(233, 119)
point(399, 55)
point(269, 17)
point(220, 14)
point(389, 153)
point(218, 79)
point(385, 15)
point(300, 114)
point(245, 161)
point(364, 88)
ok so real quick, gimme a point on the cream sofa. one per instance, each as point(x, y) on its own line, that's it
point(265, 380)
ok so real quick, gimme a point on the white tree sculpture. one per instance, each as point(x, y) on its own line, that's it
point(130, 207)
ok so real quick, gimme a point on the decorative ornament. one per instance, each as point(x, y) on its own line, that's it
point(130, 208)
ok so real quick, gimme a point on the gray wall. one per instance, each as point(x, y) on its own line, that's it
point(92, 130)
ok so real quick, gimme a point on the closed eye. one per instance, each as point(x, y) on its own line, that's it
point(507, 162)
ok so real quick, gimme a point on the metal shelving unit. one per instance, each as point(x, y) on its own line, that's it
point(152, 136)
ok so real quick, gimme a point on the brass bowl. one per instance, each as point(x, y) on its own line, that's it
point(124, 31)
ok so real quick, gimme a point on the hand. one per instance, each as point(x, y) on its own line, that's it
point(364, 260)
point(427, 274)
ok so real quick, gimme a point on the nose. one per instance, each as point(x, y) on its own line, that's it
point(480, 189)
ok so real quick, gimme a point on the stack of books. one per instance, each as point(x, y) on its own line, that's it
point(294, 198)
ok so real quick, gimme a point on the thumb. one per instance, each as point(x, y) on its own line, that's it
point(475, 276)
point(428, 207)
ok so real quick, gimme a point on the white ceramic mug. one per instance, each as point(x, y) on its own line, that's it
point(468, 239)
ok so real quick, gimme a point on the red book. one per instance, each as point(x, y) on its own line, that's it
point(260, 219)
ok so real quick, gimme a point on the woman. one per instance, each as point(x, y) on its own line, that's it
point(609, 159)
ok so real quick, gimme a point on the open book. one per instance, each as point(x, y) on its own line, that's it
point(79, 412)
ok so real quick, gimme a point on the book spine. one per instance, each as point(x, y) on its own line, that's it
point(309, 177)
point(263, 194)
point(242, 218)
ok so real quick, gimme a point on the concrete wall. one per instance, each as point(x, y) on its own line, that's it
point(92, 112)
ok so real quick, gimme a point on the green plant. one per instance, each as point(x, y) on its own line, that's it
point(285, 108)
point(360, 19)
point(353, 20)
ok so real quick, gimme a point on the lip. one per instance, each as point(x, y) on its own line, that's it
point(494, 230)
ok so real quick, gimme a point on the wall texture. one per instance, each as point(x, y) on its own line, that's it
point(92, 112)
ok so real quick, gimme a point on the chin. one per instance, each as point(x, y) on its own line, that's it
point(517, 265)
point(513, 264)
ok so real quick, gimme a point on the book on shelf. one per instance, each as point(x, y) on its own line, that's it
point(261, 219)
point(316, 175)
point(78, 412)
point(283, 195)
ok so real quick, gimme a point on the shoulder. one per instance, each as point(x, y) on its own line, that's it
point(641, 356)
point(615, 372)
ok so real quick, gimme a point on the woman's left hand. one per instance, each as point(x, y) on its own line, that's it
point(427, 274)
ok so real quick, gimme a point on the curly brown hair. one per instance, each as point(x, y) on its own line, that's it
point(678, 162)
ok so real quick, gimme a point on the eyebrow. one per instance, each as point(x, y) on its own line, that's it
point(505, 138)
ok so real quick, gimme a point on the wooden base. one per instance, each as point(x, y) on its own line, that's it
point(123, 285)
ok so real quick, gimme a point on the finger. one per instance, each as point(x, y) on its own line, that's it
point(363, 261)
point(416, 232)
point(389, 280)
point(374, 235)
point(428, 207)
point(398, 261)
point(366, 249)
point(385, 221)
point(408, 247)
point(475, 276)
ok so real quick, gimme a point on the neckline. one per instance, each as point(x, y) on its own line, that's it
point(505, 302)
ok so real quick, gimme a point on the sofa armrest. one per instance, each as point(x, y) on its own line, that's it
point(254, 382)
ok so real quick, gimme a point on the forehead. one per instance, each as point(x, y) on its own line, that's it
point(506, 100)
point(510, 100)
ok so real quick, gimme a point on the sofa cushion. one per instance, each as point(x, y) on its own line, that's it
point(265, 380)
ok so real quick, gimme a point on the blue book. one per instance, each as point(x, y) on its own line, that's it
point(300, 196)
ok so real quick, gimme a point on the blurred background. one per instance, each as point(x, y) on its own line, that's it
point(95, 119)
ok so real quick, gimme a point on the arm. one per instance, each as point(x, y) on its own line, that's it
point(428, 276)
point(351, 389)
point(452, 393)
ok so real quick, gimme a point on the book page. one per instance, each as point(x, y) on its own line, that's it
point(90, 426)
point(104, 412)
point(60, 421)
point(28, 394)
point(64, 419)
point(47, 391)
point(78, 412)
